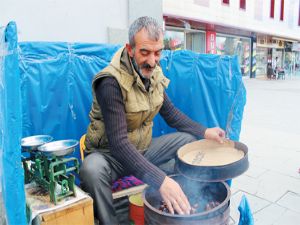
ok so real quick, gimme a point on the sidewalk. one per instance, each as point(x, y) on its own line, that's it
point(271, 130)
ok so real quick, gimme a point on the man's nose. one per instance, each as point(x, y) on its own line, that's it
point(152, 60)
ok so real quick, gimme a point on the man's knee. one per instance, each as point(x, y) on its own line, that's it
point(182, 138)
point(94, 168)
point(186, 137)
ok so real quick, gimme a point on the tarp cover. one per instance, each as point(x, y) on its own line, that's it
point(55, 88)
point(246, 217)
point(11, 172)
point(208, 88)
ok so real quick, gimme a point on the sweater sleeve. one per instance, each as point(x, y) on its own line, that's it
point(109, 97)
point(180, 121)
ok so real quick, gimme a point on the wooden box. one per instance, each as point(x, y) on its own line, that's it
point(70, 211)
point(78, 213)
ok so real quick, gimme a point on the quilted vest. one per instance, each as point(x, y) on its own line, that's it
point(141, 105)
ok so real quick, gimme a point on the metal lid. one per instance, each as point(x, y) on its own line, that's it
point(31, 143)
point(58, 148)
point(207, 160)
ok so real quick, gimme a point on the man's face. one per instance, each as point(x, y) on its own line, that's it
point(146, 52)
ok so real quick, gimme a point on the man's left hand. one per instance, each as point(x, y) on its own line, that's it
point(215, 133)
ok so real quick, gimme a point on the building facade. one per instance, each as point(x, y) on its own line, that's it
point(259, 32)
point(92, 21)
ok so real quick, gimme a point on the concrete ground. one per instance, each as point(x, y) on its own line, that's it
point(271, 130)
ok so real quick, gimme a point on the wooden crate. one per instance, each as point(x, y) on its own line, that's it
point(79, 213)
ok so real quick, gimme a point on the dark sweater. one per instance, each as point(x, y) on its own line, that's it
point(109, 97)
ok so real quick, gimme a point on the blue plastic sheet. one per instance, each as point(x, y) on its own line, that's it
point(56, 87)
point(11, 128)
point(246, 217)
point(208, 88)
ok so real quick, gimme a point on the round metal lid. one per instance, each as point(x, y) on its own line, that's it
point(58, 148)
point(31, 143)
point(208, 160)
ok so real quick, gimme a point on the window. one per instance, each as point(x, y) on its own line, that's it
point(226, 2)
point(272, 8)
point(282, 10)
point(243, 4)
point(174, 40)
point(195, 41)
point(227, 45)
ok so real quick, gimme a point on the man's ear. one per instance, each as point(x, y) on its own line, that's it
point(129, 50)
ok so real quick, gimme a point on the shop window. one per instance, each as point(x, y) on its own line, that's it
point(226, 2)
point(195, 41)
point(227, 45)
point(174, 40)
point(261, 60)
point(272, 8)
point(282, 10)
point(243, 4)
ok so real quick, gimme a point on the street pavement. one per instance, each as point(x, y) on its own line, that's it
point(271, 130)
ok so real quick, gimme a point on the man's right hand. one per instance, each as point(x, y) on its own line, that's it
point(174, 197)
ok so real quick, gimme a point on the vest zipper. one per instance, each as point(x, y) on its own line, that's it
point(140, 136)
point(149, 98)
point(141, 128)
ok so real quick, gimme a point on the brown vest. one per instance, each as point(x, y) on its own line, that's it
point(141, 106)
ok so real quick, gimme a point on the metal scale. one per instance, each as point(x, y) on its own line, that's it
point(45, 163)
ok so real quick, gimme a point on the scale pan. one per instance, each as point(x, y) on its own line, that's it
point(31, 143)
point(58, 148)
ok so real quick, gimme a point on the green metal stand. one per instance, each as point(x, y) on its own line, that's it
point(53, 174)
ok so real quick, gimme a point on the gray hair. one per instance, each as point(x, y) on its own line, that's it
point(150, 24)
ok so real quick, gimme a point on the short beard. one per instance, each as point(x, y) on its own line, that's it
point(139, 69)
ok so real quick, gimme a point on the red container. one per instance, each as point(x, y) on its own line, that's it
point(136, 209)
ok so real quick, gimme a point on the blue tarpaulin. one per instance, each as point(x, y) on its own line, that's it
point(11, 128)
point(56, 87)
point(48, 91)
point(246, 217)
point(208, 88)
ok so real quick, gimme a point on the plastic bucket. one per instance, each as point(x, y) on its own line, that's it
point(136, 209)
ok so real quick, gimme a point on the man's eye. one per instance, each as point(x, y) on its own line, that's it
point(144, 52)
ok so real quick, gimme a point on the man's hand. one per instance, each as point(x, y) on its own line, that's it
point(174, 197)
point(215, 133)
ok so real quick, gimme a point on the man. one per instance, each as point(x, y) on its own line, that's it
point(127, 95)
point(275, 65)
